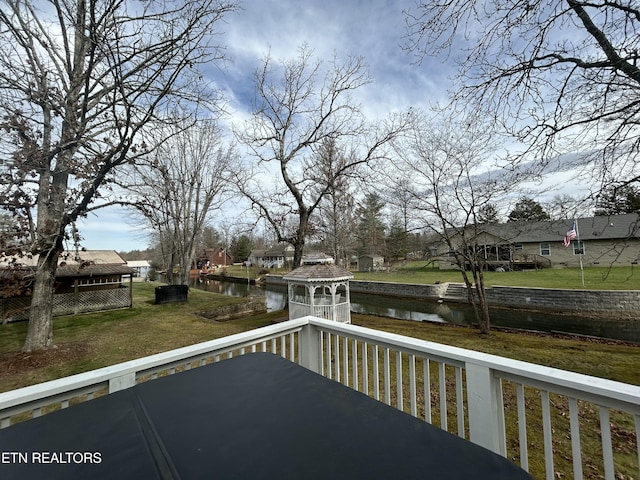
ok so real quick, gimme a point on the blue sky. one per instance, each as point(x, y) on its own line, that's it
point(372, 29)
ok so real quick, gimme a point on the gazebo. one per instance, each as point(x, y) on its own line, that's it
point(319, 288)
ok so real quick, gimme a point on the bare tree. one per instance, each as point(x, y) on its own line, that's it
point(450, 171)
point(79, 81)
point(561, 76)
point(177, 191)
point(397, 192)
point(298, 106)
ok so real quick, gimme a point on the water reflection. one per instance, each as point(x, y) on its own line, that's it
point(421, 310)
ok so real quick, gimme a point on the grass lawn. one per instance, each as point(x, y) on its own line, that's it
point(90, 341)
point(420, 271)
point(595, 278)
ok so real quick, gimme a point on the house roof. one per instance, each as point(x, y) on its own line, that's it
point(317, 257)
point(138, 263)
point(76, 271)
point(276, 251)
point(72, 257)
point(212, 252)
point(78, 264)
point(610, 227)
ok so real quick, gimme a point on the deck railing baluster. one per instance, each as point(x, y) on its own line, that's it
point(485, 387)
point(399, 392)
point(576, 451)
point(442, 382)
point(522, 427)
point(459, 402)
point(427, 389)
point(354, 364)
point(547, 435)
point(607, 448)
point(387, 379)
point(412, 385)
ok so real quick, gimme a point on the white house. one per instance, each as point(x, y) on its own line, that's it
point(275, 257)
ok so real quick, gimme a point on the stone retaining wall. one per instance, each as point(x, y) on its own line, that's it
point(558, 300)
point(252, 305)
point(411, 290)
point(597, 301)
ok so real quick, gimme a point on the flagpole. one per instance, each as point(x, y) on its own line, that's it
point(575, 222)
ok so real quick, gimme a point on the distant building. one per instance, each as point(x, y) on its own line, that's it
point(370, 263)
point(275, 257)
point(214, 257)
point(140, 268)
point(612, 240)
point(86, 281)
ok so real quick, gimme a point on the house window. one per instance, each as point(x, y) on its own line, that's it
point(517, 247)
point(578, 248)
point(545, 249)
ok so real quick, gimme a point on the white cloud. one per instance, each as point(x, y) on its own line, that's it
point(372, 29)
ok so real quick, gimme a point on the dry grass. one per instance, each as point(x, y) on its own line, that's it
point(86, 342)
point(90, 341)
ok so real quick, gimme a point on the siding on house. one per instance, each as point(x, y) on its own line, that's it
point(605, 241)
point(275, 257)
point(370, 263)
point(215, 257)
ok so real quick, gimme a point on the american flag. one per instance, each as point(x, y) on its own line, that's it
point(571, 234)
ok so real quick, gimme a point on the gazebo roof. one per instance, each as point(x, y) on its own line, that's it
point(318, 273)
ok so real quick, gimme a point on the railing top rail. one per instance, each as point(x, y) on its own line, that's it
point(514, 369)
point(611, 393)
point(75, 382)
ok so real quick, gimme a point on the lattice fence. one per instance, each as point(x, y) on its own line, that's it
point(12, 309)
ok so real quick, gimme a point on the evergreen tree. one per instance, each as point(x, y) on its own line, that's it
point(243, 249)
point(618, 199)
point(488, 213)
point(370, 230)
point(528, 209)
point(397, 240)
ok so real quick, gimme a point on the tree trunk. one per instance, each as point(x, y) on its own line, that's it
point(40, 330)
point(483, 307)
point(298, 251)
point(478, 301)
point(298, 240)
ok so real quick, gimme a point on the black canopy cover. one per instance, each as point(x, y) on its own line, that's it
point(253, 416)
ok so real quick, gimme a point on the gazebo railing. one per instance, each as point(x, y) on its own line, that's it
point(341, 312)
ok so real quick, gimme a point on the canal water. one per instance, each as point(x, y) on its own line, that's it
point(428, 311)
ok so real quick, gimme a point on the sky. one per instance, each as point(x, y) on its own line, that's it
point(371, 29)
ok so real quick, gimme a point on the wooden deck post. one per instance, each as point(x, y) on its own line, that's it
point(486, 424)
point(309, 344)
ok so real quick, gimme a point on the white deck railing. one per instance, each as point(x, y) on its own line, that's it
point(555, 423)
